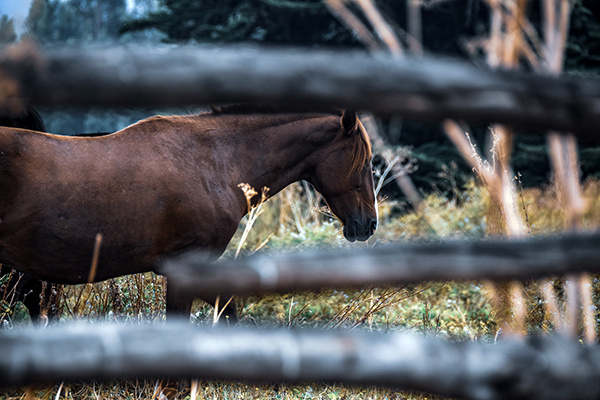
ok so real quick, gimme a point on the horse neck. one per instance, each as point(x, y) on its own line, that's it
point(286, 152)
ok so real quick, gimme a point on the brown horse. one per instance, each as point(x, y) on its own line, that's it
point(169, 184)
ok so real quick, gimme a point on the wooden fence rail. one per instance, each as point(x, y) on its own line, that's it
point(425, 88)
point(433, 89)
point(393, 264)
point(539, 368)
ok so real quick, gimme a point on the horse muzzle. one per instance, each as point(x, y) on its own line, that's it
point(359, 230)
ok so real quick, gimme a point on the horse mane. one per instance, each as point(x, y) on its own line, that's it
point(247, 109)
point(243, 109)
point(362, 145)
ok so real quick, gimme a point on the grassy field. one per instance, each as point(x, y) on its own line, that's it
point(294, 221)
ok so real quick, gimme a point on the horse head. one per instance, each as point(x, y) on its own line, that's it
point(344, 177)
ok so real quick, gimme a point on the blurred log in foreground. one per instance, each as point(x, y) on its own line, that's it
point(384, 265)
point(538, 368)
point(425, 87)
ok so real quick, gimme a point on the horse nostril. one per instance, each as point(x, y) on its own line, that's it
point(373, 226)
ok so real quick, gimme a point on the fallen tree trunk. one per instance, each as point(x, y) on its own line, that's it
point(424, 87)
point(538, 368)
point(394, 264)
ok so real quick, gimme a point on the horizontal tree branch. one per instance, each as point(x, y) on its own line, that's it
point(425, 87)
point(538, 368)
point(384, 265)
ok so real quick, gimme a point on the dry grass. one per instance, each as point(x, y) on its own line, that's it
point(133, 390)
point(456, 311)
point(293, 221)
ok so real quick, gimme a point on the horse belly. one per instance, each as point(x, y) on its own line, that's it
point(51, 256)
point(57, 244)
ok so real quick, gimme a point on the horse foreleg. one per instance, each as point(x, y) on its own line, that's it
point(178, 305)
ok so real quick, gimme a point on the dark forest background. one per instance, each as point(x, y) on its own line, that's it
point(448, 27)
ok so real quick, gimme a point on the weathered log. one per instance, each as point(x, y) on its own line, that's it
point(392, 264)
point(425, 87)
point(538, 368)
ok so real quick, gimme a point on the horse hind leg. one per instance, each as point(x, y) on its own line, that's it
point(36, 296)
point(30, 294)
point(42, 299)
point(50, 301)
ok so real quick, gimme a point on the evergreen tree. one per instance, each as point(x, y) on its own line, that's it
point(302, 22)
point(7, 30)
point(37, 22)
point(55, 21)
point(583, 47)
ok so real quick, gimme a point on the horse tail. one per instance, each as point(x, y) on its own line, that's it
point(35, 120)
point(28, 119)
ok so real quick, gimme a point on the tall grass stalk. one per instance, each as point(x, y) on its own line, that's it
point(253, 211)
point(589, 320)
point(59, 390)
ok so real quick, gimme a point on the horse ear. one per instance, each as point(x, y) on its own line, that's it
point(349, 122)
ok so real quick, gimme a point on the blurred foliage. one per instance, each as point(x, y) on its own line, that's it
point(460, 214)
point(303, 22)
point(583, 46)
point(7, 30)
